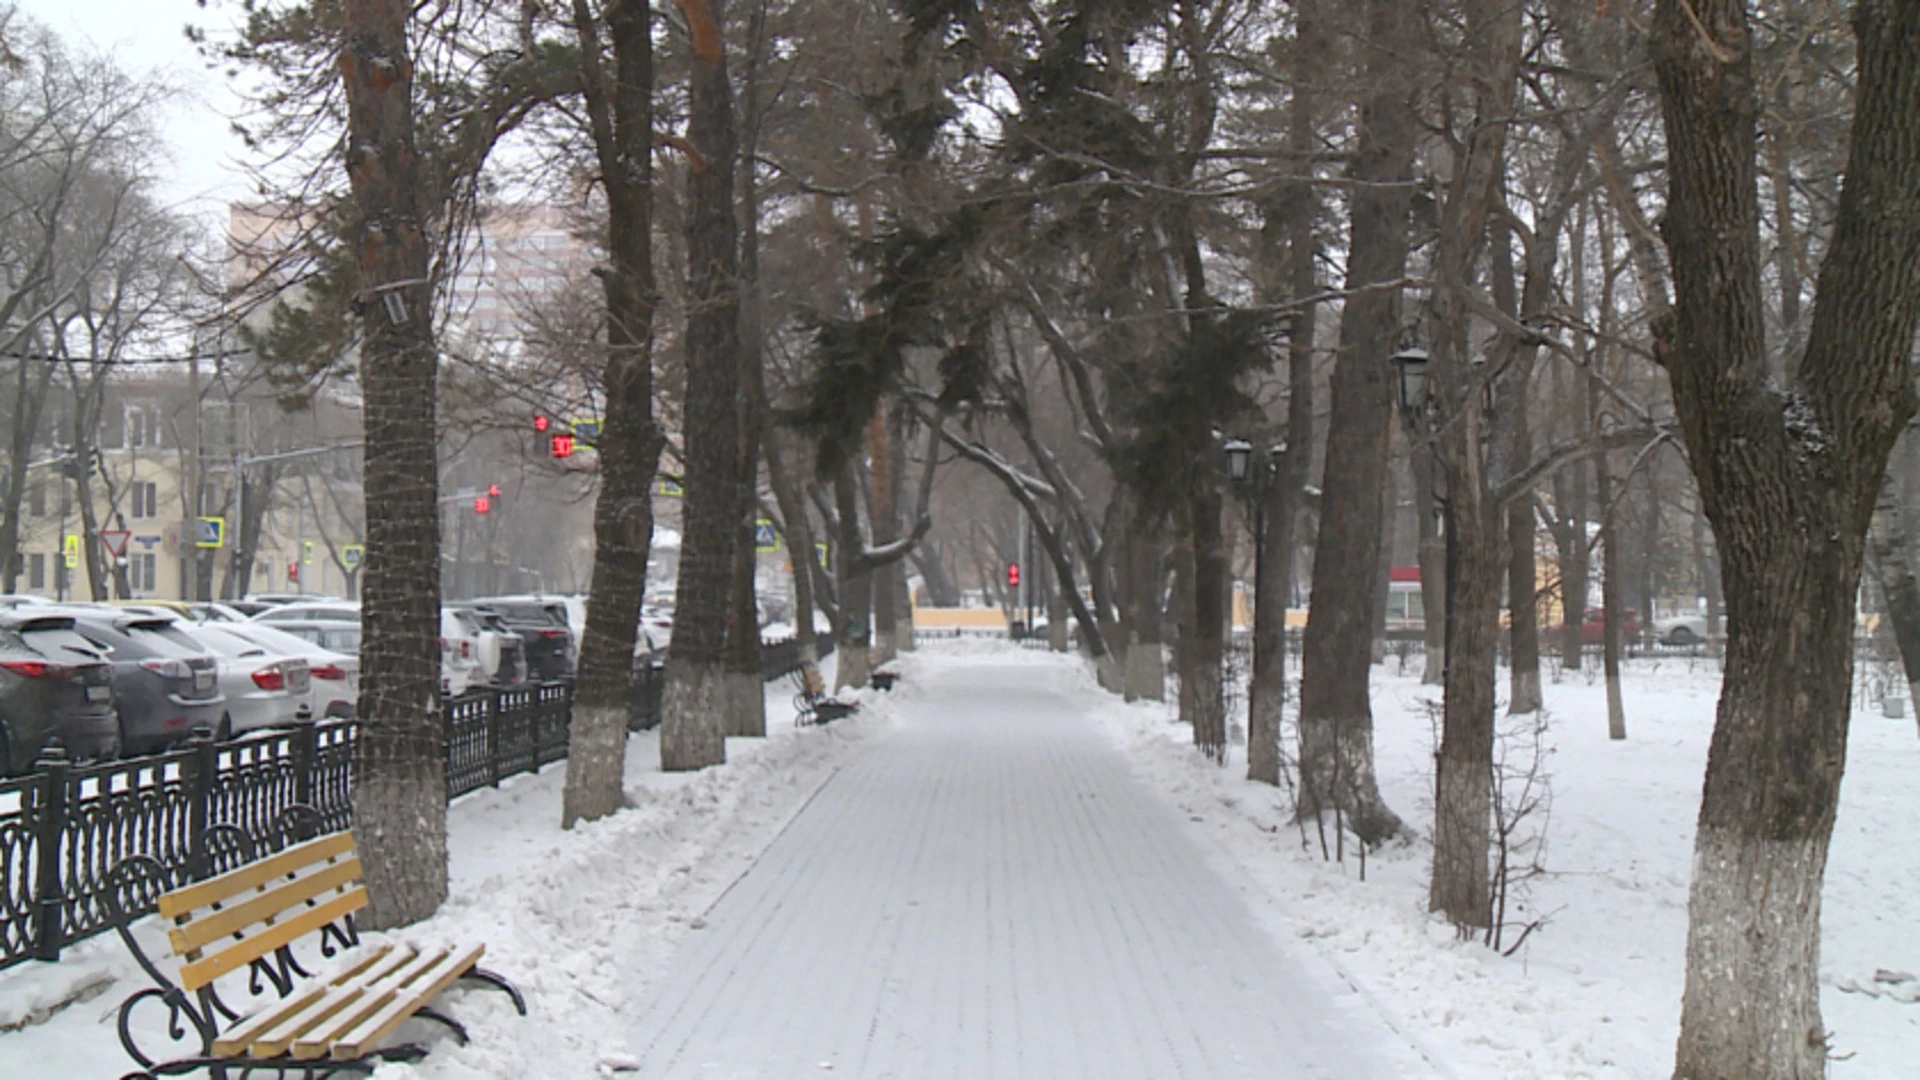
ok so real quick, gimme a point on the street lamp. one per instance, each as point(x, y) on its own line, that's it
point(1251, 481)
point(1411, 366)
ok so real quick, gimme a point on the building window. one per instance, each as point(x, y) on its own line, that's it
point(145, 499)
point(143, 572)
point(143, 426)
point(37, 498)
point(36, 571)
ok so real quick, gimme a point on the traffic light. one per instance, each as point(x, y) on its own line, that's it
point(482, 504)
point(493, 491)
point(541, 424)
point(1013, 574)
point(562, 445)
point(293, 571)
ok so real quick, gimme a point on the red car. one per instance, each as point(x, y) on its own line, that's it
point(1593, 630)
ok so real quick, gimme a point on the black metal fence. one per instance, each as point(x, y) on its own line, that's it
point(63, 829)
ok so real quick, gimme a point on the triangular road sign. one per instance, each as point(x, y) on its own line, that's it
point(115, 541)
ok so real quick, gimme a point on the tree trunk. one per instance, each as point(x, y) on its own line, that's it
point(630, 443)
point(1336, 713)
point(1789, 478)
point(1893, 564)
point(30, 395)
point(1267, 691)
point(884, 525)
point(694, 707)
point(399, 766)
point(746, 695)
point(1570, 497)
point(1146, 660)
point(1206, 624)
point(1610, 596)
point(800, 549)
point(854, 633)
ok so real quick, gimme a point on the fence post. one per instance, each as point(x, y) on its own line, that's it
point(306, 751)
point(50, 826)
point(535, 710)
point(199, 768)
point(493, 737)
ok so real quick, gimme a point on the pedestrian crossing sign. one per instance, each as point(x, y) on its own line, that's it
point(765, 536)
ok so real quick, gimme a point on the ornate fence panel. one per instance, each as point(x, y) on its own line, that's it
point(19, 856)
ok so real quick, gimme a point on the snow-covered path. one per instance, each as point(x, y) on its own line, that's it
point(989, 892)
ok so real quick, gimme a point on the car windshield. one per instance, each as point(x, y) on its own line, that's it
point(539, 614)
point(161, 638)
point(230, 645)
point(306, 614)
point(341, 640)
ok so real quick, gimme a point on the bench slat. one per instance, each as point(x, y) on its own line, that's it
point(253, 875)
point(275, 1040)
point(374, 997)
point(199, 973)
point(241, 1035)
point(424, 988)
point(212, 927)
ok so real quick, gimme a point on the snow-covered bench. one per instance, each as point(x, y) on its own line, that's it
point(812, 705)
point(250, 918)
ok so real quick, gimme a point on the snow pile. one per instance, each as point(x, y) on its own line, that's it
point(1594, 992)
point(567, 916)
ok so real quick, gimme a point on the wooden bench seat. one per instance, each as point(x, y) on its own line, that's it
point(812, 705)
point(251, 917)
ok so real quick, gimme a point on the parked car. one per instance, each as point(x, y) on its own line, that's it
point(53, 685)
point(1593, 627)
point(1680, 631)
point(503, 655)
point(11, 601)
point(551, 650)
point(322, 611)
point(264, 687)
point(333, 675)
point(165, 684)
point(337, 637)
point(461, 667)
point(279, 599)
point(657, 621)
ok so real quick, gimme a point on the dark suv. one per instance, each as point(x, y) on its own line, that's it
point(543, 628)
point(165, 684)
point(53, 685)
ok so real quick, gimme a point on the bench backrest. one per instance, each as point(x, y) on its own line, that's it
point(811, 682)
point(226, 922)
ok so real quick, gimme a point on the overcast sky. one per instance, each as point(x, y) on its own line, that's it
point(146, 36)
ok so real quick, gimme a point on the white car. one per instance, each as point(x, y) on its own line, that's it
point(462, 663)
point(321, 611)
point(333, 674)
point(1680, 630)
point(264, 687)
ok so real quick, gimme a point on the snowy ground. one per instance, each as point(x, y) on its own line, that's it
point(1595, 991)
point(570, 917)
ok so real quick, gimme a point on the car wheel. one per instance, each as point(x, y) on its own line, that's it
point(1682, 636)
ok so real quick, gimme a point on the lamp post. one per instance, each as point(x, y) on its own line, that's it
point(1252, 480)
point(1415, 397)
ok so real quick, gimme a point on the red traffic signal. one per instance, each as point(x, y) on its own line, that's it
point(1013, 573)
point(541, 424)
point(293, 571)
point(482, 504)
point(562, 445)
point(493, 491)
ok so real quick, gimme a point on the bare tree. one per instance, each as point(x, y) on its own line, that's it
point(1788, 475)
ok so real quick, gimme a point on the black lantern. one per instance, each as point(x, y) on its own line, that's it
point(1411, 366)
point(1239, 458)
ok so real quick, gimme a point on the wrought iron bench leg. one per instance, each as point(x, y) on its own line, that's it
point(485, 976)
point(459, 1030)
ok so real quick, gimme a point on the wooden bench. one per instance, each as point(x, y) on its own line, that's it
point(250, 918)
point(812, 705)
